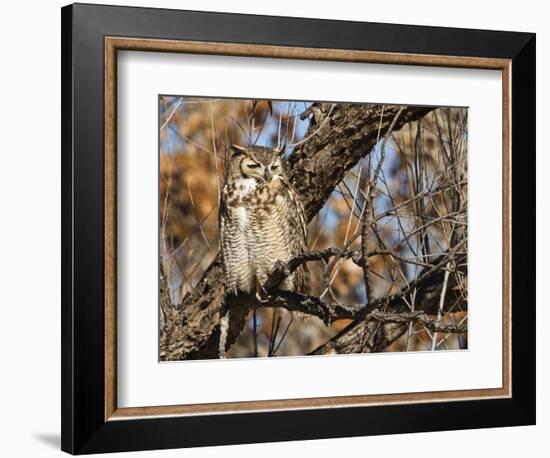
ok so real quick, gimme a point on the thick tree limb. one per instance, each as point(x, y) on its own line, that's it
point(311, 305)
point(319, 164)
point(339, 135)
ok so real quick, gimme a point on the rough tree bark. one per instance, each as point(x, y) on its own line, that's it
point(339, 135)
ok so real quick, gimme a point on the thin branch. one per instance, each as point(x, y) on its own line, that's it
point(441, 303)
point(283, 270)
point(165, 123)
point(215, 153)
point(317, 130)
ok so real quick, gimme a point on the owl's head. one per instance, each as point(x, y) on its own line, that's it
point(257, 162)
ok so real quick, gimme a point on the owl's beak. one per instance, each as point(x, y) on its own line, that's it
point(267, 175)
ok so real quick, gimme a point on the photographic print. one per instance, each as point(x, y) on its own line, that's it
point(247, 197)
point(294, 228)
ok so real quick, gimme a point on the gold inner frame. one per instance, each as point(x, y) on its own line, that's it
point(114, 44)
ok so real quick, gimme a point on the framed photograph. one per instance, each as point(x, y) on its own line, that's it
point(281, 228)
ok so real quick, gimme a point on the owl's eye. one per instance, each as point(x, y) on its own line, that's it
point(274, 166)
point(253, 165)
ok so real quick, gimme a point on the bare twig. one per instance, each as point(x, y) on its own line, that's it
point(169, 117)
point(310, 136)
point(441, 302)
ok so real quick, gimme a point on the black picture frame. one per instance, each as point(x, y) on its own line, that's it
point(84, 427)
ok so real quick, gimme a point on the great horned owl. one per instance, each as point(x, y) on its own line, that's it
point(262, 221)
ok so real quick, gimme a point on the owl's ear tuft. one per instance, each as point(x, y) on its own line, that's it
point(280, 149)
point(235, 150)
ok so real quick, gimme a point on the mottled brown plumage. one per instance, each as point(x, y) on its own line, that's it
point(261, 221)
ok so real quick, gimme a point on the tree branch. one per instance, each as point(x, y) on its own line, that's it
point(311, 305)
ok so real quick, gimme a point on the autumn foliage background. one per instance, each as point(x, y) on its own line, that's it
point(195, 134)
